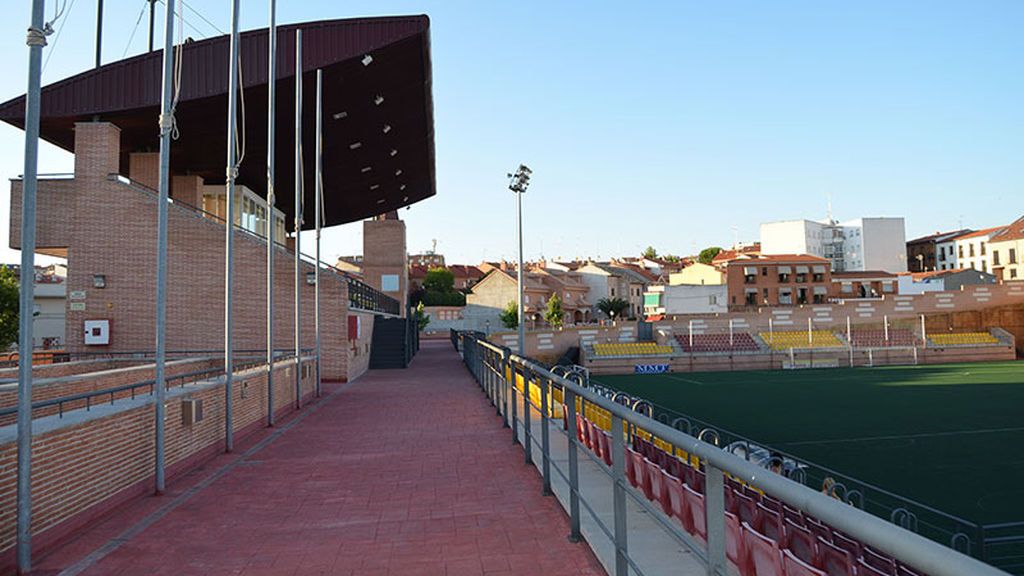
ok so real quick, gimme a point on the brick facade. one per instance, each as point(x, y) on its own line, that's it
point(108, 227)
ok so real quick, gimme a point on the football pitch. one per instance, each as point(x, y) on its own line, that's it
point(948, 436)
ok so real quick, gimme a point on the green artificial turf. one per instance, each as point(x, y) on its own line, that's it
point(948, 436)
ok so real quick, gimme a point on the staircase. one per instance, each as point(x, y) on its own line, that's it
point(393, 343)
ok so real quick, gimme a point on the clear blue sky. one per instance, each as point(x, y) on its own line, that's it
point(665, 123)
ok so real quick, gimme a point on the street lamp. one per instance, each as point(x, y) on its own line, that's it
point(517, 184)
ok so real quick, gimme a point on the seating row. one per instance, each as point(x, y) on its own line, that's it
point(738, 342)
point(963, 338)
point(787, 339)
point(877, 339)
point(631, 349)
point(764, 536)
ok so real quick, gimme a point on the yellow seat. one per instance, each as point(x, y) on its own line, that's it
point(631, 349)
point(801, 339)
point(963, 339)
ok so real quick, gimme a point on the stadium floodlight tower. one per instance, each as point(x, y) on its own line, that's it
point(518, 183)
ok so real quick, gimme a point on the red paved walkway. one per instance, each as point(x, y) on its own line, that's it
point(402, 472)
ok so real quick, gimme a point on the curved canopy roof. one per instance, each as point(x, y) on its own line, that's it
point(378, 113)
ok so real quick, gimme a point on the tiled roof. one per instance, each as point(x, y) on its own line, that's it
point(977, 233)
point(1014, 231)
point(940, 236)
point(780, 259)
point(864, 274)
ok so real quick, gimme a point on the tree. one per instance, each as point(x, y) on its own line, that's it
point(421, 317)
point(670, 258)
point(439, 280)
point(510, 316)
point(708, 254)
point(612, 307)
point(9, 304)
point(554, 314)
point(650, 253)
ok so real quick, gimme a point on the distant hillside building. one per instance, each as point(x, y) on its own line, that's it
point(972, 248)
point(778, 280)
point(933, 252)
point(855, 245)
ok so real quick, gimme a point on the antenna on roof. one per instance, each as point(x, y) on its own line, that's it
point(829, 209)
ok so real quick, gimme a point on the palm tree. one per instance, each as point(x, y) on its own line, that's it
point(612, 307)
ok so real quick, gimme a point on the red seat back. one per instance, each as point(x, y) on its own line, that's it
point(797, 567)
point(734, 542)
point(677, 503)
point(834, 560)
point(652, 475)
point(581, 429)
point(695, 506)
point(763, 554)
point(846, 543)
point(746, 509)
point(800, 541)
point(606, 447)
point(879, 561)
point(631, 457)
point(865, 569)
point(769, 522)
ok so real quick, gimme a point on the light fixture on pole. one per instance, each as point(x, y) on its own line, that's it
point(518, 183)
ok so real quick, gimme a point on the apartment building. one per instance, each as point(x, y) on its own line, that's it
point(972, 249)
point(855, 245)
point(933, 252)
point(778, 280)
point(1007, 252)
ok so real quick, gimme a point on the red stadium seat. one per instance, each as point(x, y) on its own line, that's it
point(772, 504)
point(631, 468)
point(769, 522)
point(677, 502)
point(846, 543)
point(818, 529)
point(664, 498)
point(833, 560)
point(865, 569)
point(902, 570)
point(734, 542)
point(797, 567)
point(746, 509)
point(653, 485)
point(587, 431)
point(763, 554)
point(595, 439)
point(581, 433)
point(794, 515)
point(878, 561)
point(695, 506)
point(800, 541)
point(605, 440)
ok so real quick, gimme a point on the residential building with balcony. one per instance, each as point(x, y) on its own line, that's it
point(933, 252)
point(778, 280)
point(1006, 251)
point(972, 249)
point(606, 280)
point(867, 284)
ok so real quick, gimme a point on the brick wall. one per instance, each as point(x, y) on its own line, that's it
point(49, 388)
point(109, 228)
point(59, 369)
point(359, 350)
point(84, 467)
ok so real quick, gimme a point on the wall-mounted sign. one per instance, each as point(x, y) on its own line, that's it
point(650, 368)
point(77, 295)
point(78, 306)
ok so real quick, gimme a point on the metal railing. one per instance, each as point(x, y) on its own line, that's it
point(497, 370)
point(131, 390)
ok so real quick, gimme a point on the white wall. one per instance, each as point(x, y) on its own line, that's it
point(694, 299)
point(949, 249)
point(786, 237)
point(907, 285)
point(884, 244)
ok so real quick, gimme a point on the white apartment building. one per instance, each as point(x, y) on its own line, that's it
point(972, 249)
point(686, 299)
point(852, 246)
point(1007, 252)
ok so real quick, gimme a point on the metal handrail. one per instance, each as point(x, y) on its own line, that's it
point(916, 551)
point(181, 379)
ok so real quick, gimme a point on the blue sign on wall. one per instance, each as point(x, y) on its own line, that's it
point(650, 368)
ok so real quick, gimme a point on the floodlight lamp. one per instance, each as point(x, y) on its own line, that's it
point(378, 100)
point(387, 128)
point(341, 115)
point(367, 60)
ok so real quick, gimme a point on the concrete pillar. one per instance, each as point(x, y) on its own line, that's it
point(97, 150)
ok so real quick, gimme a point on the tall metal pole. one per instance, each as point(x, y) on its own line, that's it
point(298, 215)
point(271, 221)
point(319, 198)
point(166, 124)
point(99, 31)
point(519, 276)
point(152, 15)
point(229, 233)
point(36, 40)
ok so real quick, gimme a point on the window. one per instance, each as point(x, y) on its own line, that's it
point(783, 278)
point(800, 278)
point(751, 298)
point(961, 250)
point(764, 294)
point(970, 250)
point(712, 300)
point(764, 271)
point(389, 282)
point(982, 248)
point(1013, 272)
point(984, 266)
point(1012, 259)
point(995, 257)
point(817, 277)
point(801, 296)
point(613, 292)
